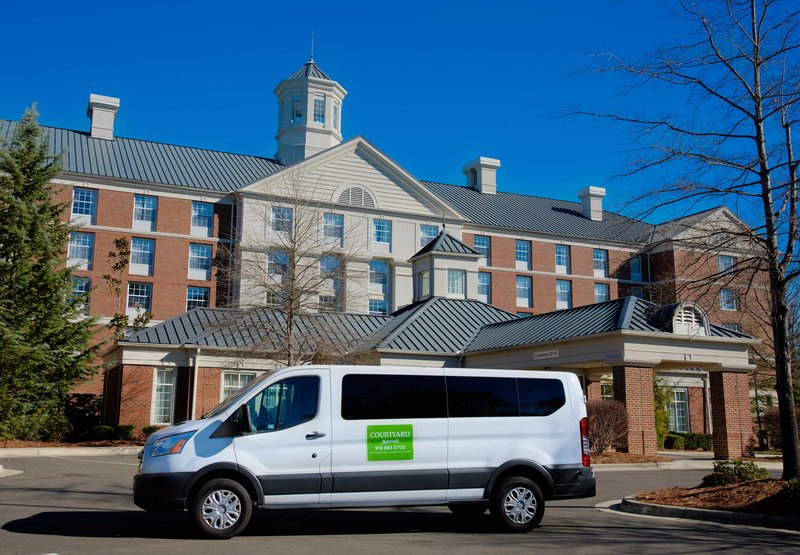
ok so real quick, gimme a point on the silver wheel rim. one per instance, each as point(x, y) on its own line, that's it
point(520, 505)
point(221, 509)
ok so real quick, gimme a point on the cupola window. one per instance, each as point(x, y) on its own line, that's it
point(297, 109)
point(319, 109)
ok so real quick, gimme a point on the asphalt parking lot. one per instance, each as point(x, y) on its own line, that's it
point(84, 505)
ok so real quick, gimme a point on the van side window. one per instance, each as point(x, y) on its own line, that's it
point(284, 404)
point(479, 396)
point(384, 397)
point(540, 397)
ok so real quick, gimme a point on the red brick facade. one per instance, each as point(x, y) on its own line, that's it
point(634, 387)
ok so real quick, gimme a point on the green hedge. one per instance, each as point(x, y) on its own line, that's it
point(674, 441)
point(732, 472)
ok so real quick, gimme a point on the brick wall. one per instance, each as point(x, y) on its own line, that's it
point(594, 391)
point(697, 410)
point(730, 413)
point(136, 396)
point(209, 384)
point(634, 388)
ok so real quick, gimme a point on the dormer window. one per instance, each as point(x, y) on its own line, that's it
point(689, 320)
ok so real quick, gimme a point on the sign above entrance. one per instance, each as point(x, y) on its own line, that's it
point(545, 354)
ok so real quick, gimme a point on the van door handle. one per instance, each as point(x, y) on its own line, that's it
point(315, 435)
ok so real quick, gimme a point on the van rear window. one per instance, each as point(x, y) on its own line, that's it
point(385, 397)
point(540, 397)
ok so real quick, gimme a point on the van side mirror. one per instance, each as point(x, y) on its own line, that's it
point(237, 424)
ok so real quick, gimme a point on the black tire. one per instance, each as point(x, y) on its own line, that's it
point(221, 508)
point(468, 510)
point(517, 504)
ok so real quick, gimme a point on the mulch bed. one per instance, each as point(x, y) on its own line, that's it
point(17, 444)
point(757, 496)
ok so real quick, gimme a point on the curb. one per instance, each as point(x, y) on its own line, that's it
point(12, 452)
point(689, 464)
point(629, 505)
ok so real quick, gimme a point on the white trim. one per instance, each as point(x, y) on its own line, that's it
point(174, 372)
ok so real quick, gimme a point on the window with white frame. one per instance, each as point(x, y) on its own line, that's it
point(282, 219)
point(483, 245)
point(142, 256)
point(725, 263)
point(728, 300)
point(336, 115)
point(601, 292)
point(199, 261)
point(333, 228)
point(522, 254)
point(427, 233)
point(277, 263)
point(297, 109)
point(562, 259)
point(679, 411)
point(485, 287)
point(563, 294)
point(378, 277)
point(607, 391)
point(81, 289)
point(524, 289)
point(382, 235)
point(377, 306)
point(424, 283)
point(202, 219)
point(145, 212)
point(84, 205)
point(319, 109)
point(636, 268)
point(197, 297)
point(330, 303)
point(457, 283)
point(234, 381)
point(140, 297)
point(163, 391)
point(600, 259)
point(80, 253)
point(330, 271)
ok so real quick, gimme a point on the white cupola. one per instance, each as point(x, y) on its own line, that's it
point(309, 113)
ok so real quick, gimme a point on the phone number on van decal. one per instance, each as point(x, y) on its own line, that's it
point(390, 442)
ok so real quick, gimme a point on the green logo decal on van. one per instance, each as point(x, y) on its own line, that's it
point(390, 443)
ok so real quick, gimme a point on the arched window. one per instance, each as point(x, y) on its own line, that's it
point(357, 196)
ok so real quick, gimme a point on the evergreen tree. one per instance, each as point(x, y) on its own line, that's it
point(44, 340)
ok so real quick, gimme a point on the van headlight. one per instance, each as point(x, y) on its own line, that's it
point(170, 445)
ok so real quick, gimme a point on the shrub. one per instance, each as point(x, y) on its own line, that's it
point(792, 490)
point(733, 472)
point(698, 441)
point(674, 441)
point(661, 397)
point(124, 432)
point(102, 432)
point(608, 422)
point(45, 424)
point(147, 430)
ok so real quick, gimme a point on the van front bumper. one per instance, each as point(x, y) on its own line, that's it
point(160, 492)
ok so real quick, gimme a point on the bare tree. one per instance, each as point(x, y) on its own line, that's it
point(735, 83)
point(296, 255)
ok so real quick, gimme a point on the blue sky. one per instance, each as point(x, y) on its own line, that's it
point(433, 84)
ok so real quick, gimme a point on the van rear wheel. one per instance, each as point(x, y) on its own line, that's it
point(517, 504)
point(221, 508)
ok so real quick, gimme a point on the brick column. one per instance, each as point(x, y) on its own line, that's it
point(634, 388)
point(593, 391)
point(730, 414)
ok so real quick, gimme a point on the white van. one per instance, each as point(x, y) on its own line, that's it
point(360, 436)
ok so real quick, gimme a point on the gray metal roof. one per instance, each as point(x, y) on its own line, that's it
point(538, 214)
point(134, 159)
point(258, 328)
point(310, 69)
point(628, 313)
point(439, 325)
point(444, 242)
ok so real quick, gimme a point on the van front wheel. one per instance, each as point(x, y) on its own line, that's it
point(517, 504)
point(221, 508)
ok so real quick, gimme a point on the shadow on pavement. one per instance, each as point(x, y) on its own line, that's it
point(140, 524)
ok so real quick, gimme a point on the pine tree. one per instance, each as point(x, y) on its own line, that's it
point(44, 340)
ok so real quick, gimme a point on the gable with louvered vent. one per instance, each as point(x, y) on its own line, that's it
point(357, 196)
point(689, 320)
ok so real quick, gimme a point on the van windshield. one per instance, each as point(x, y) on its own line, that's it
point(236, 397)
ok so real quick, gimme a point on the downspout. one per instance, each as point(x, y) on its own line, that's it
point(707, 389)
point(195, 375)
